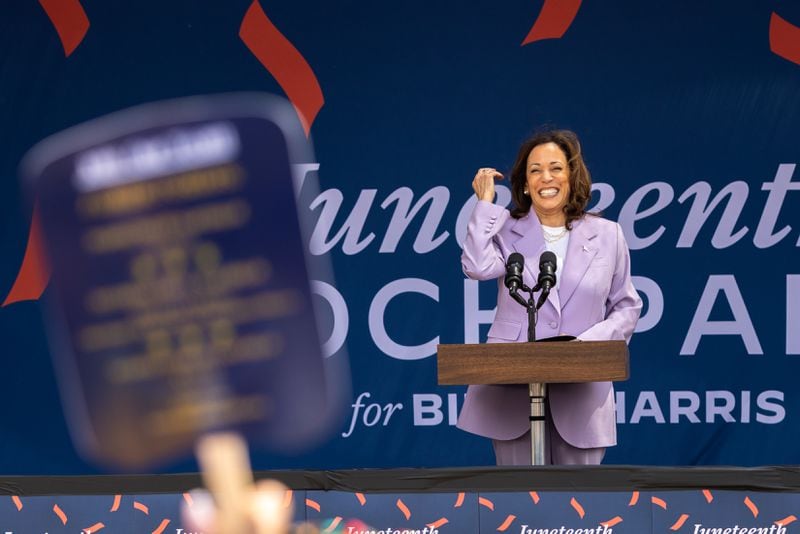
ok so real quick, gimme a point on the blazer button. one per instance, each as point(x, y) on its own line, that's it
point(553, 325)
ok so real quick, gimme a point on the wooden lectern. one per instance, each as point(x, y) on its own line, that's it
point(535, 364)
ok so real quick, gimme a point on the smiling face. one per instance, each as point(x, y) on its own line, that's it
point(547, 178)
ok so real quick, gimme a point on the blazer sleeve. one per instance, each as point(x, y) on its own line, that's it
point(623, 305)
point(482, 257)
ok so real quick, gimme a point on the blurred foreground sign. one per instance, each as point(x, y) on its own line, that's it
point(180, 283)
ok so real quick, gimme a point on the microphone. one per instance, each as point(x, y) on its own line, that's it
point(513, 279)
point(547, 275)
point(547, 270)
point(514, 267)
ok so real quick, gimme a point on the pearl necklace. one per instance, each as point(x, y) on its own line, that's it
point(552, 238)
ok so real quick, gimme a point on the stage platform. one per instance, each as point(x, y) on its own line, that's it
point(551, 500)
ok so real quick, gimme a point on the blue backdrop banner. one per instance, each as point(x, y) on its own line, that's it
point(687, 113)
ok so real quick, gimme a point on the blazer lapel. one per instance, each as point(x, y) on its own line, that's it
point(529, 239)
point(580, 253)
point(530, 243)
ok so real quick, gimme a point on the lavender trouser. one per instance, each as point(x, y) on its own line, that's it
point(556, 450)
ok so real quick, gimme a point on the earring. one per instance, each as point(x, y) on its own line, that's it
point(525, 192)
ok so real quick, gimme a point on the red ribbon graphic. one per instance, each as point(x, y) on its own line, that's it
point(553, 21)
point(784, 39)
point(70, 21)
point(279, 56)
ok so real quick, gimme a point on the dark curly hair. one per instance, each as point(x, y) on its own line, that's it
point(580, 181)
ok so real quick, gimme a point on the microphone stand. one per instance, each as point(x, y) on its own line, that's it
point(537, 392)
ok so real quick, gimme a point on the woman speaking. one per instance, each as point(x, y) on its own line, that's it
point(594, 298)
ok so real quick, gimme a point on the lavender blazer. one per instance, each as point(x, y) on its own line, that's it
point(595, 301)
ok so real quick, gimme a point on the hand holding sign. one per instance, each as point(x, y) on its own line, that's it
point(181, 287)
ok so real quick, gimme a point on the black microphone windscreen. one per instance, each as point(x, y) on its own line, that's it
point(518, 258)
point(547, 257)
point(514, 267)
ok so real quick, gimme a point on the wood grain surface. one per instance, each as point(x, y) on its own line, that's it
point(524, 363)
